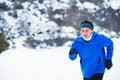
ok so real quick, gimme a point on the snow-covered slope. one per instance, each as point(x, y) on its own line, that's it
point(48, 64)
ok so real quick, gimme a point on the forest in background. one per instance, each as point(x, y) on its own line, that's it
point(44, 21)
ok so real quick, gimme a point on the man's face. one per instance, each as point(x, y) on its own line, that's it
point(86, 32)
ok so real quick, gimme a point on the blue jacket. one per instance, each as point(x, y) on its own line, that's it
point(92, 53)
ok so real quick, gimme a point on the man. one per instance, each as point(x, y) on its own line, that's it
point(90, 47)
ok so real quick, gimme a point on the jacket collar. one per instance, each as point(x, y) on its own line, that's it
point(79, 38)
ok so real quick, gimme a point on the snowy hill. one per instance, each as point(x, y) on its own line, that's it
point(43, 22)
point(48, 64)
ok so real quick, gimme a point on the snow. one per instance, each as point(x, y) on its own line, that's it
point(91, 5)
point(52, 63)
point(68, 30)
point(45, 64)
point(115, 4)
point(48, 64)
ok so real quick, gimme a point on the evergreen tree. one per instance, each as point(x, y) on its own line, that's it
point(3, 43)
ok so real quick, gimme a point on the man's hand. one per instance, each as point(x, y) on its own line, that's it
point(72, 52)
point(108, 64)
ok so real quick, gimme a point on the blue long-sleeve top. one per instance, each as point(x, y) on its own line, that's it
point(92, 53)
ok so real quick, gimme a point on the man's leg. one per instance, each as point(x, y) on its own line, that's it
point(98, 76)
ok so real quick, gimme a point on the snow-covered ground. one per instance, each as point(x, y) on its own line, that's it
point(48, 64)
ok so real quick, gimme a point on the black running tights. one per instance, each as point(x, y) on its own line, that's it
point(98, 76)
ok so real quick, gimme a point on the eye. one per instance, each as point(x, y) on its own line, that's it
point(82, 30)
